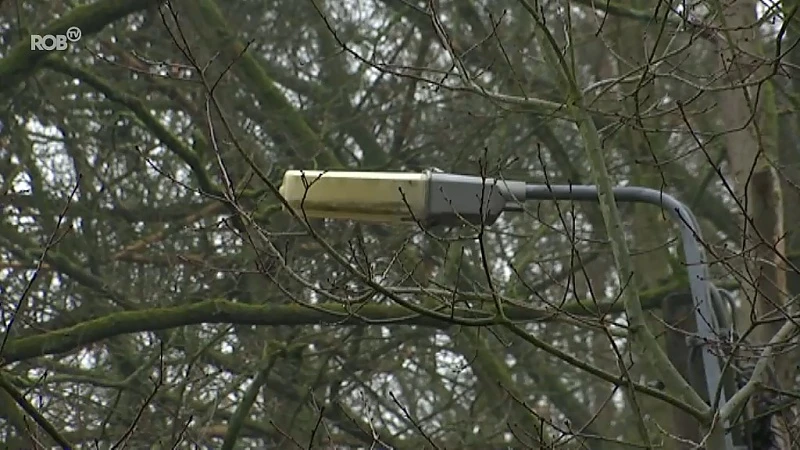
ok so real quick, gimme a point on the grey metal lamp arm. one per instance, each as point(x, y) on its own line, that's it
point(696, 266)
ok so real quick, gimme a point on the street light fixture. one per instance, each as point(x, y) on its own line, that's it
point(429, 198)
point(432, 198)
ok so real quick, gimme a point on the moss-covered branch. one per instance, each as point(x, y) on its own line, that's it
point(222, 311)
point(22, 62)
point(640, 335)
point(497, 383)
point(305, 141)
point(228, 312)
point(237, 421)
point(20, 247)
point(31, 410)
point(118, 95)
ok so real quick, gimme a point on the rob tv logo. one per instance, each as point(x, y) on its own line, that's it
point(51, 42)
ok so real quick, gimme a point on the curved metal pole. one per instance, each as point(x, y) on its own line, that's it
point(695, 261)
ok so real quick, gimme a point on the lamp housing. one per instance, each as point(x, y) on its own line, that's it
point(429, 198)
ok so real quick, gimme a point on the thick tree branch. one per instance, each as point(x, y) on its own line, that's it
point(228, 312)
point(31, 410)
point(738, 400)
point(118, 95)
point(641, 335)
point(22, 62)
point(305, 141)
point(223, 311)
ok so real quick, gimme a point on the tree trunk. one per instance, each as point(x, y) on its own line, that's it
point(750, 120)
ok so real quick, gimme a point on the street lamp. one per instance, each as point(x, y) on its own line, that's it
point(432, 198)
point(429, 198)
